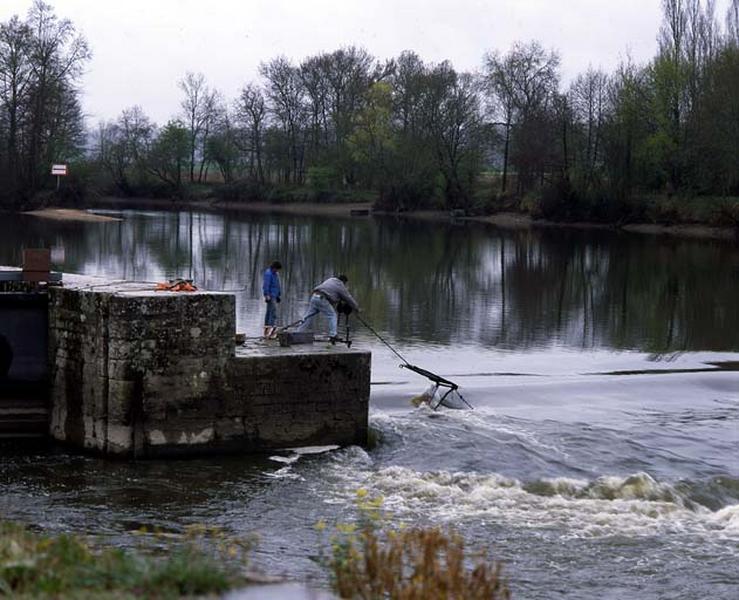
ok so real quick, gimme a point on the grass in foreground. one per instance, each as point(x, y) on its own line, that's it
point(368, 563)
point(374, 561)
point(414, 564)
point(65, 566)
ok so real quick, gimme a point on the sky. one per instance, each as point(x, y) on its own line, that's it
point(142, 48)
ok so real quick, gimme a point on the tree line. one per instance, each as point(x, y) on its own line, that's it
point(414, 133)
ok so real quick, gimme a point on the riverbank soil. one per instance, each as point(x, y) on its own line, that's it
point(506, 219)
point(343, 209)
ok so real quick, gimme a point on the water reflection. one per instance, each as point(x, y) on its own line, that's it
point(438, 283)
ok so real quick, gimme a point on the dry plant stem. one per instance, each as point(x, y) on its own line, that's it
point(416, 564)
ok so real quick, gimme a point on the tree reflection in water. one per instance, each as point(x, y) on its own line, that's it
point(438, 283)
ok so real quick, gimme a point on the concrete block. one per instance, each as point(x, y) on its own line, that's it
point(290, 338)
point(141, 374)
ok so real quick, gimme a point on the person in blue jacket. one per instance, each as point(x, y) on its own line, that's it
point(272, 291)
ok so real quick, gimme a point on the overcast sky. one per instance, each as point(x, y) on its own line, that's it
point(141, 48)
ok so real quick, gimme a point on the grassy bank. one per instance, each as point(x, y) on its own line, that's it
point(710, 211)
point(712, 217)
point(507, 217)
point(36, 565)
point(246, 192)
point(367, 560)
point(555, 204)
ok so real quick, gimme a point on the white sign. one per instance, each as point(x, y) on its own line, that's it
point(58, 169)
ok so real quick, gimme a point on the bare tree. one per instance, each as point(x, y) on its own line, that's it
point(41, 59)
point(313, 72)
point(732, 23)
point(349, 78)
point(520, 84)
point(336, 86)
point(15, 81)
point(123, 147)
point(169, 153)
point(407, 88)
point(452, 112)
point(627, 125)
point(588, 97)
point(222, 146)
point(200, 108)
point(251, 113)
point(58, 54)
point(285, 92)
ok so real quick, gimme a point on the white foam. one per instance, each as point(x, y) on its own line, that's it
point(298, 453)
point(635, 505)
point(285, 473)
point(728, 518)
point(478, 420)
point(285, 459)
point(640, 486)
point(314, 449)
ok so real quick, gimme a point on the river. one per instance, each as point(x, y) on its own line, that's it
point(602, 455)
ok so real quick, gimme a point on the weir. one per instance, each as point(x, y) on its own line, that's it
point(135, 373)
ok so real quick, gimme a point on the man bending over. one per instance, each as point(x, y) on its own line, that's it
point(324, 300)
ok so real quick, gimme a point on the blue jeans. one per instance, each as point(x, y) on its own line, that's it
point(270, 317)
point(319, 304)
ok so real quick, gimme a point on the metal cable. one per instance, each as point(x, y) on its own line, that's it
point(379, 337)
point(453, 387)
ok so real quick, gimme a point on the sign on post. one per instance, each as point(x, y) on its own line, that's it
point(59, 171)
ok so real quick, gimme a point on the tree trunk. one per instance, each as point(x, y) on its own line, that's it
point(504, 183)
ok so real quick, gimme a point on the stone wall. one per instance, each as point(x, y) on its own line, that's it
point(21, 287)
point(298, 398)
point(147, 374)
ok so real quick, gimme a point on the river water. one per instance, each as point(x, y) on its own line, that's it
point(602, 456)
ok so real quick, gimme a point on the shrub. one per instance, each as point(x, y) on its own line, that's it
point(404, 196)
point(568, 202)
point(77, 187)
point(726, 213)
point(323, 179)
point(33, 565)
point(408, 564)
point(413, 564)
point(245, 190)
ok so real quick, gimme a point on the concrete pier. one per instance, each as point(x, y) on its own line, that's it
point(136, 373)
